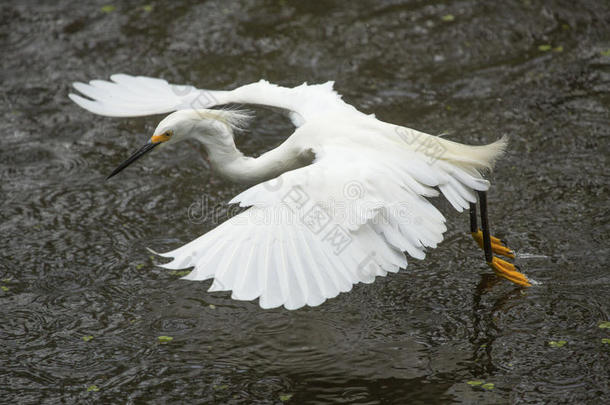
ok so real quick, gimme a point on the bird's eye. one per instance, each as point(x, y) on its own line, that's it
point(168, 133)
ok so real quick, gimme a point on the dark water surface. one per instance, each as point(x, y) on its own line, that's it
point(73, 262)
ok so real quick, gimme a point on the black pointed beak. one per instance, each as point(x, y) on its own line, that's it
point(136, 155)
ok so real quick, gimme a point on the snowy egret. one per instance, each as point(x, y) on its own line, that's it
point(338, 202)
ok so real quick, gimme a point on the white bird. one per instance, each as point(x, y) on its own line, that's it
point(337, 203)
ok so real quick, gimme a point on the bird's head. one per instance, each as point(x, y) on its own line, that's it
point(211, 127)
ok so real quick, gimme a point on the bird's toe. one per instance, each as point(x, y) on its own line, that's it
point(498, 246)
point(509, 271)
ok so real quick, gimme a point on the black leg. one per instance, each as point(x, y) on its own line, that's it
point(485, 227)
point(474, 227)
point(501, 267)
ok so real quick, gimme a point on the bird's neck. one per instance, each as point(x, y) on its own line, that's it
point(230, 162)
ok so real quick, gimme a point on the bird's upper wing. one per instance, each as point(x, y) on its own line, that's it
point(315, 231)
point(131, 96)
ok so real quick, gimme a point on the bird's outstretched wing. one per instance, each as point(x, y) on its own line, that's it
point(313, 232)
point(132, 96)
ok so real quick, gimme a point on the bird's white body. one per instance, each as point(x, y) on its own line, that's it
point(336, 204)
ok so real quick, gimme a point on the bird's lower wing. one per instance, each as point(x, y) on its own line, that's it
point(315, 231)
point(288, 261)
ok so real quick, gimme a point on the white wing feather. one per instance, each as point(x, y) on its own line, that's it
point(313, 232)
point(132, 96)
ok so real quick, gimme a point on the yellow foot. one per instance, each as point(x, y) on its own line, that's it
point(509, 272)
point(496, 245)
